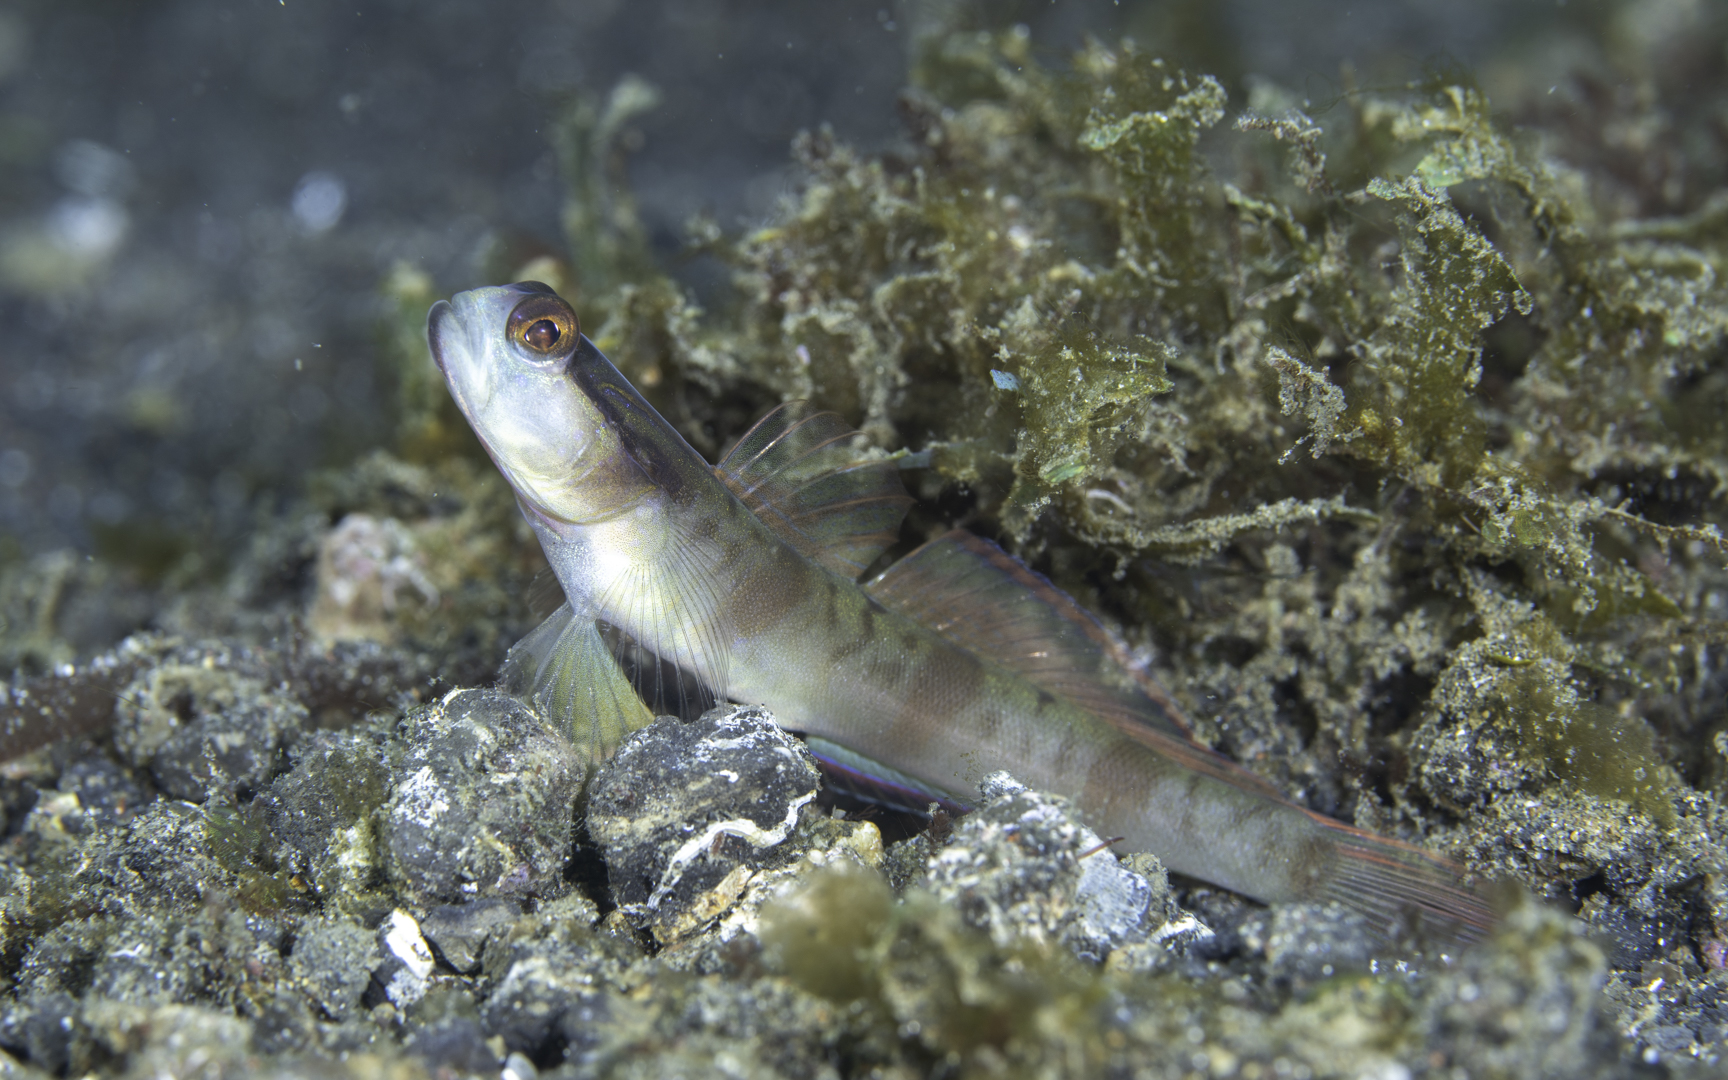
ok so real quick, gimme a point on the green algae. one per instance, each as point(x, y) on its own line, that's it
point(921, 970)
point(912, 973)
point(1425, 359)
point(608, 244)
point(428, 425)
point(239, 847)
point(1077, 399)
point(1524, 679)
point(1107, 321)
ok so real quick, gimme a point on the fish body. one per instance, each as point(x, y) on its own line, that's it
point(955, 661)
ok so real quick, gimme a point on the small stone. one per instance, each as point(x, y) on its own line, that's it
point(688, 813)
point(368, 568)
point(454, 1047)
point(1023, 865)
point(481, 804)
point(106, 794)
point(549, 967)
point(517, 1067)
point(202, 720)
point(551, 963)
point(161, 855)
point(333, 961)
point(47, 1028)
point(1307, 943)
point(408, 960)
point(321, 815)
point(175, 1040)
point(460, 931)
point(401, 938)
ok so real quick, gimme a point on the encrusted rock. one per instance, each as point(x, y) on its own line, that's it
point(1309, 942)
point(700, 821)
point(161, 856)
point(459, 932)
point(204, 717)
point(1023, 865)
point(46, 1029)
point(453, 1047)
point(686, 811)
point(321, 815)
point(367, 567)
point(333, 961)
point(548, 977)
point(482, 802)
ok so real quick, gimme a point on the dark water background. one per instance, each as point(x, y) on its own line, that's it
point(199, 199)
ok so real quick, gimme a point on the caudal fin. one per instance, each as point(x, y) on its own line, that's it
point(1405, 892)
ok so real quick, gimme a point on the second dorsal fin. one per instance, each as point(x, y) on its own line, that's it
point(805, 474)
point(992, 604)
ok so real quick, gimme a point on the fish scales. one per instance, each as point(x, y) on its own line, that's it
point(744, 574)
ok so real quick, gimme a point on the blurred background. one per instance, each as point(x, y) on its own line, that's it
point(201, 200)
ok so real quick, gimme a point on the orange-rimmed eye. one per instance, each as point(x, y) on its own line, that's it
point(543, 328)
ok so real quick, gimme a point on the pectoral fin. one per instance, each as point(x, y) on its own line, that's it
point(565, 669)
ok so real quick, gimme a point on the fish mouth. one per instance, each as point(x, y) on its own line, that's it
point(453, 351)
point(462, 365)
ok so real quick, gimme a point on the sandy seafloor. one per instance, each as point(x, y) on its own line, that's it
point(248, 558)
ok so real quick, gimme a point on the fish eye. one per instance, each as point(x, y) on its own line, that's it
point(543, 328)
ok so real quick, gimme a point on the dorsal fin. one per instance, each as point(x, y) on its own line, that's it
point(805, 474)
point(990, 603)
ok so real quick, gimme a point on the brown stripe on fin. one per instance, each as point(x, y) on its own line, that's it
point(992, 604)
point(806, 474)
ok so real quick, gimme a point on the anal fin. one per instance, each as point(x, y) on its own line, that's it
point(565, 669)
point(870, 781)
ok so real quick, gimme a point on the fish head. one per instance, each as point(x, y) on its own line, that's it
point(509, 355)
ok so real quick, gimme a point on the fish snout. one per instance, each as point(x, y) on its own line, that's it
point(444, 332)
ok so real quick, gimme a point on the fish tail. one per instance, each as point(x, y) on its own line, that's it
point(1403, 890)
